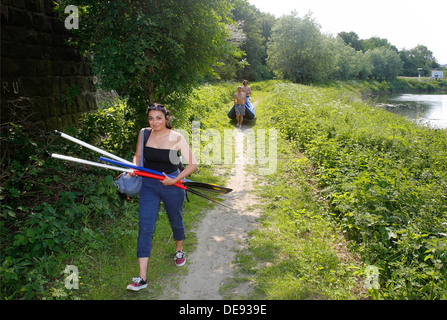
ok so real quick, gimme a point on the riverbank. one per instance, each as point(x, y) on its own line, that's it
point(384, 178)
point(370, 88)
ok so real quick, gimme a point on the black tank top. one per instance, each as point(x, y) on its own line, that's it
point(162, 160)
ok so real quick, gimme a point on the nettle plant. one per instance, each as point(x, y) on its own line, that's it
point(385, 180)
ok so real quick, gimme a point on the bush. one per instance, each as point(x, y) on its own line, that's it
point(51, 209)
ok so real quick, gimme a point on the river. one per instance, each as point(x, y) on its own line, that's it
point(425, 108)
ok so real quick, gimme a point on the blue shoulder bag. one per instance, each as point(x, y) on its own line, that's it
point(128, 184)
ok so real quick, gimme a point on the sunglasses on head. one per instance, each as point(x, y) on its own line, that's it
point(158, 107)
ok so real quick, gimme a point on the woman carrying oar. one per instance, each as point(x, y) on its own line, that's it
point(161, 153)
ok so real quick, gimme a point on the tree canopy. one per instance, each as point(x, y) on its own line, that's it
point(159, 50)
point(296, 50)
point(418, 57)
point(299, 52)
point(152, 50)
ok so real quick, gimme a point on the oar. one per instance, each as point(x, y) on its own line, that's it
point(154, 176)
point(206, 197)
point(105, 166)
point(85, 144)
point(207, 187)
point(198, 185)
point(141, 173)
point(91, 163)
point(131, 165)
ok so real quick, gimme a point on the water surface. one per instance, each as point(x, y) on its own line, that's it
point(428, 109)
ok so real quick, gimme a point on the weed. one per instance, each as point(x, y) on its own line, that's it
point(384, 178)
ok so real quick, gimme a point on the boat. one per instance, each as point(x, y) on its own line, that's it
point(249, 111)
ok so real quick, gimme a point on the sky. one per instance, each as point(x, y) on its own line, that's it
point(404, 23)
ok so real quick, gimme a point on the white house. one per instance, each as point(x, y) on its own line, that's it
point(435, 74)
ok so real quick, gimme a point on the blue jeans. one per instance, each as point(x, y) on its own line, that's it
point(152, 192)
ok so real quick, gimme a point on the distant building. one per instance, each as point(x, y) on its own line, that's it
point(436, 74)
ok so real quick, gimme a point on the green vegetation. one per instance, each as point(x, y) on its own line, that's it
point(384, 179)
point(152, 51)
point(412, 59)
point(418, 57)
point(50, 211)
point(56, 213)
point(345, 171)
point(297, 51)
point(161, 50)
point(398, 85)
point(297, 252)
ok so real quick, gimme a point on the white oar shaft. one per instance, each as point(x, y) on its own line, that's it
point(91, 163)
point(82, 143)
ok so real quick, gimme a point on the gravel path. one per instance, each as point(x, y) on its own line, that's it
point(220, 234)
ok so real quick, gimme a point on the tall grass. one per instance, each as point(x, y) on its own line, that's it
point(296, 252)
point(385, 179)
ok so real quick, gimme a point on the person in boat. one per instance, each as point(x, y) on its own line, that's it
point(161, 153)
point(239, 106)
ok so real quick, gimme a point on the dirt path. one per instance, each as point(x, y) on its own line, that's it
point(220, 234)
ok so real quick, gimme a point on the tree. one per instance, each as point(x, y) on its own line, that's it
point(386, 63)
point(151, 50)
point(297, 49)
point(226, 68)
point(365, 65)
point(418, 57)
point(257, 27)
point(376, 42)
point(351, 39)
point(347, 62)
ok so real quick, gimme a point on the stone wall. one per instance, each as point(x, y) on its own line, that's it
point(42, 79)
